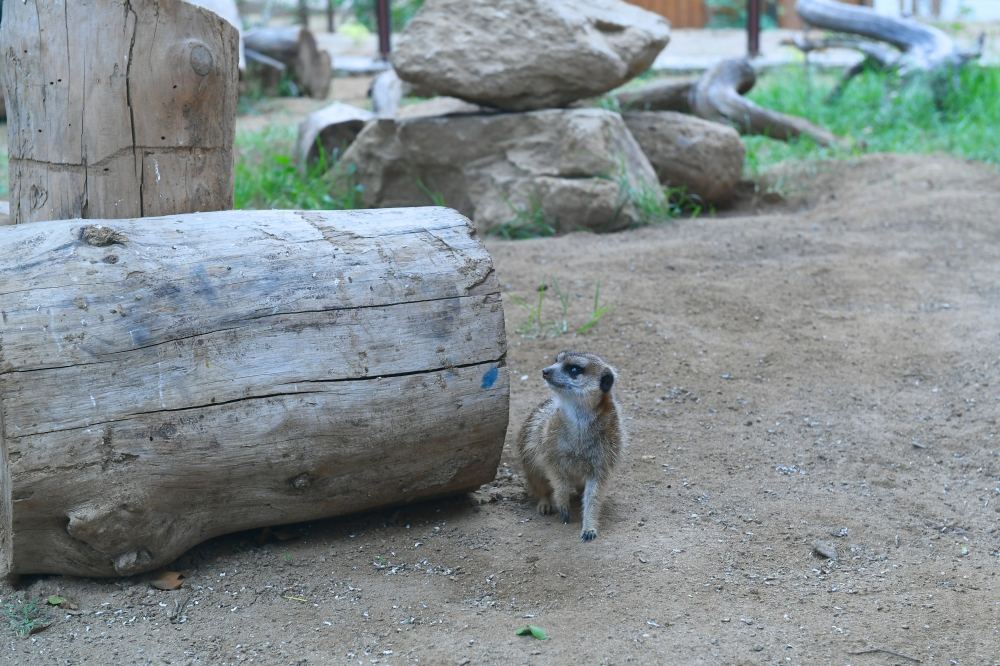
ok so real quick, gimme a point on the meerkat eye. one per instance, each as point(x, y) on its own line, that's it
point(574, 371)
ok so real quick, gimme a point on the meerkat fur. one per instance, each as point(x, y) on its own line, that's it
point(572, 441)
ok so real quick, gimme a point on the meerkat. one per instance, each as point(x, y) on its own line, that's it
point(572, 441)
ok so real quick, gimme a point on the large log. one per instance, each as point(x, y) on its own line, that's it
point(310, 66)
point(139, 122)
point(164, 381)
point(924, 47)
point(328, 132)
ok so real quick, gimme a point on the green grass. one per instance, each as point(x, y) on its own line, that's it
point(267, 177)
point(23, 617)
point(879, 114)
point(537, 326)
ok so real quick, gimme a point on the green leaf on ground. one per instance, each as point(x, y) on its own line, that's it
point(532, 630)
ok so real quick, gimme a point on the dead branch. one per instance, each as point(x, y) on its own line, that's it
point(923, 47)
point(718, 96)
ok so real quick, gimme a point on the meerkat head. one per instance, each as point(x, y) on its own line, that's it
point(580, 378)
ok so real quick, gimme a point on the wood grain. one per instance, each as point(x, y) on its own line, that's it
point(139, 122)
point(166, 380)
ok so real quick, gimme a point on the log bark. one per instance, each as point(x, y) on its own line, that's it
point(329, 131)
point(164, 381)
point(310, 67)
point(139, 122)
point(718, 96)
point(658, 96)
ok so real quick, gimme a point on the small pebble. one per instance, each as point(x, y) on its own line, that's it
point(824, 549)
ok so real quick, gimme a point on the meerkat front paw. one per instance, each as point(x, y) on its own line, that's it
point(588, 535)
point(544, 506)
point(564, 514)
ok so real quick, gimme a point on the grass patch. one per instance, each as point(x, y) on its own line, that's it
point(527, 222)
point(266, 175)
point(537, 326)
point(881, 115)
point(23, 617)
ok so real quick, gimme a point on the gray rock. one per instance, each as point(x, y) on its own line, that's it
point(527, 54)
point(563, 168)
point(825, 549)
point(704, 157)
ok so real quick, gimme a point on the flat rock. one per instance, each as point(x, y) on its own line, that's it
point(527, 54)
point(703, 157)
point(561, 169)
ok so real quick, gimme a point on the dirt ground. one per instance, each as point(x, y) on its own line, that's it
point(824, 368)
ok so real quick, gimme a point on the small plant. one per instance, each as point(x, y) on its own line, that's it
point(24, 617)
point(596, 314)
point(530, 222)
point(535, 326)
point(437, 199)
point(561, 325)
point(654, 205)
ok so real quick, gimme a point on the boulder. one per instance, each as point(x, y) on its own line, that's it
point(563, 169)
point(527, 54)
point(704, 157)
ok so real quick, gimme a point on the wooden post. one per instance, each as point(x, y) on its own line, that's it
point(137, 122)
point(383, 17)
point(164, 381)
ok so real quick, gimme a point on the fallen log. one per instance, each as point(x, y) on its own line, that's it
point(924, 47)
point(329, 131)
point(718, 96)
point(164, 381)
point(309, 66)
point(154, 138)
point(667, 95)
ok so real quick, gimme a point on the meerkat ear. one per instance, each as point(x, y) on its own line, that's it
point(607, 380)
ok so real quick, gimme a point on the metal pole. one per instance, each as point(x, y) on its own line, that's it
point(330, 10)
point(753, 28)
point(382, 16)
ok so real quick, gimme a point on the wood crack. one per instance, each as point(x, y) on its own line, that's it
point(501, 361)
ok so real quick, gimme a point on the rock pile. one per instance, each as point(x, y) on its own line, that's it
point(512, 152)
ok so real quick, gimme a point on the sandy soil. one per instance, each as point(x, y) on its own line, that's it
point(825, 369)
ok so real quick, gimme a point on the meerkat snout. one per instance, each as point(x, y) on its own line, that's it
point(572, 441)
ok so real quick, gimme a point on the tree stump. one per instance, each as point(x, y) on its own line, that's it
point(137, 123)
point(310, 66)
point(164, 381)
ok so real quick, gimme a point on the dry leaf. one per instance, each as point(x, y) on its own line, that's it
point(168, 580)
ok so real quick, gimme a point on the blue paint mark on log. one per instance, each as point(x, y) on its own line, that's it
point(490, 377)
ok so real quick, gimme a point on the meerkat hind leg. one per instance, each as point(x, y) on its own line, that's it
point(539, 487)
point(560, 497)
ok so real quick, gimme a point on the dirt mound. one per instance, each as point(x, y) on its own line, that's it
point(824, 372)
